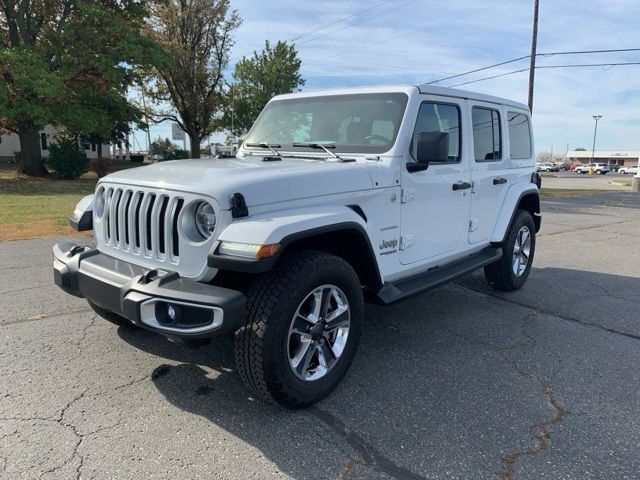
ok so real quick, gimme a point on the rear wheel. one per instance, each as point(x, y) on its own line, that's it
point(598, 172)
point(512, 270)
point(302, 330)
point(110, 316)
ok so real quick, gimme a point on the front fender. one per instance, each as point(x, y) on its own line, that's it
point(282, 226)
point(511, 201)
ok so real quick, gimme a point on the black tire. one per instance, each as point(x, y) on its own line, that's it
point(110, 316)
point(262, 345)
point(598, 172)
point(500, 275)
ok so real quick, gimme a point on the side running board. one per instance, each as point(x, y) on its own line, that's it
point(392, 292)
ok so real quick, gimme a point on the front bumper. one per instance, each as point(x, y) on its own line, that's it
point(158, 300)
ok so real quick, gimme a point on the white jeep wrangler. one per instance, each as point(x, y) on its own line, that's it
point(334, 197)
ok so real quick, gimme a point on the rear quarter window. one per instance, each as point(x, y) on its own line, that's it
point(519, 135)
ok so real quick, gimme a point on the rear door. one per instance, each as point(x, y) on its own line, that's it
point(488, 168)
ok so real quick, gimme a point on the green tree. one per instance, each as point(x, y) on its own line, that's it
point(273, 71)
point(197, 35)
point(68, 63)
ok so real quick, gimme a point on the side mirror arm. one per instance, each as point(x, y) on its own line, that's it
point(417, 167)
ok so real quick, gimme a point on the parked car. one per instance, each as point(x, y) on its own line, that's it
point(630, 169)
point(598, 168)
point(547, 167)
point(281, 245)
point(614, 167)
point(566, 166)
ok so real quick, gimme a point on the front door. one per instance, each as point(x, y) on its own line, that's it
point(436, 201)
point(488, 169)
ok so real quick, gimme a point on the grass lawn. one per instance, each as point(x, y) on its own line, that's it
point(38, 207)
point(548, 193)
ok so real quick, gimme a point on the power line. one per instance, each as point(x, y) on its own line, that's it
point(479, 69)
point(356, 23)
point(360, 12)
point(620, 64)
point(490, 78)
point(473, 12)
point(547, 67)
point(548, 54)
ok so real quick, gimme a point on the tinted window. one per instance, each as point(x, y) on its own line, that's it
point(360, 123)
point(519, 135)
point(437, 117)
point(486, 135)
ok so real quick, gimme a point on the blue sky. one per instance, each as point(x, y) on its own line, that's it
point(416, 41)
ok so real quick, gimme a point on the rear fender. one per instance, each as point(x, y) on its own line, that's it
point(519, 194)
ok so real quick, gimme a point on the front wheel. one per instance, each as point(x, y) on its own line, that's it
point(512, 270)
point(304, 320)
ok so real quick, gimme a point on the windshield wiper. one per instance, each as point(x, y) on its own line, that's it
point(319, 146)
point(270, 146)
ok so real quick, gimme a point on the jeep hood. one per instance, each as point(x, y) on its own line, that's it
point(261, 182)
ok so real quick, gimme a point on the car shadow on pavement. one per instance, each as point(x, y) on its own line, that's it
point(399, 410)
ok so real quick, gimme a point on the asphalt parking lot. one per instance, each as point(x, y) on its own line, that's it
point(458, 383)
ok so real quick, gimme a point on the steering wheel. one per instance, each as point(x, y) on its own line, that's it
point(379, 138)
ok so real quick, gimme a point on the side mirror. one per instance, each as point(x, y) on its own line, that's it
point(432, 147)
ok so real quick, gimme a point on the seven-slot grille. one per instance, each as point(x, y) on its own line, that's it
point(142, 223)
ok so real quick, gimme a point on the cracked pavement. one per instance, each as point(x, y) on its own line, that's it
point(459, 383)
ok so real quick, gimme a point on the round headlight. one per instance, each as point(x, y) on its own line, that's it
point(205, 219)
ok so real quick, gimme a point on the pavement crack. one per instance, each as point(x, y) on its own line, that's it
point(580, 229)
point(541, 429)
point(26, 289)
point(543, 311)
point(370, 456)
point(48, 316)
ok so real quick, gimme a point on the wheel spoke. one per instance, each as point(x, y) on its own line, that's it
point(314, 316)
point(339, 320)
point(302, 366)
point(327, 354)
point(525, 238)
point(327, 293)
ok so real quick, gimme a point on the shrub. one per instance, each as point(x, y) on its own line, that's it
point(66, 159)
point(102, 166)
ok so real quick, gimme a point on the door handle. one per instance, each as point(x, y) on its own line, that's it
point(499, 181)
point(461, 185)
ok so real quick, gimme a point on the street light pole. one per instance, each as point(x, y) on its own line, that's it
point(595, 133)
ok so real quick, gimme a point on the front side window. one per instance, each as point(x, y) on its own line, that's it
point(519, 135)
point(438, 117)
point(358, 123)
point(487, 136)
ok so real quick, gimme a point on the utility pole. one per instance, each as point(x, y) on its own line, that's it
point(595, 132)
point(534, 51)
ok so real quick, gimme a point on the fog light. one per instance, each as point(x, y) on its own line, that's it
point(168, 314)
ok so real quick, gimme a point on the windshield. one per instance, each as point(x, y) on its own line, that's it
point(359, 123)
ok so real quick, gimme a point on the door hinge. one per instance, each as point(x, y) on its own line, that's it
point(407, 195)
point(406, 241)
point(473, 225)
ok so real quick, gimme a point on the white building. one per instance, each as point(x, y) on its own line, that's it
point(621, 158)
point(10, 146)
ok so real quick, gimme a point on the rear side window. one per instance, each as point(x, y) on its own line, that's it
point(438, 117)
point(487, 136)
point(519, 135)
